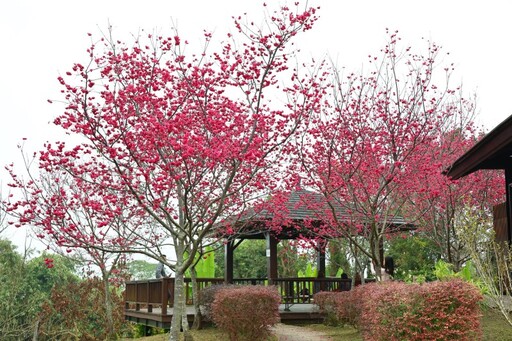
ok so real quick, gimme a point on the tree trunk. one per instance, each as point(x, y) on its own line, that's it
point(108, 306)
point(179, 297)
point(198, 317)
point(35, 336)
point(184, 317)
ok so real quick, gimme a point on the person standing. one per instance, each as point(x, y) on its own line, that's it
point(159, 274)
point(388, 271)
point(160, 269)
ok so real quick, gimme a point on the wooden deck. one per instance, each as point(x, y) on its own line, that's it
point(146, 302)
point(295, 313)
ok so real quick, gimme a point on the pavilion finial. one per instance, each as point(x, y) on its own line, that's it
point(298, 186)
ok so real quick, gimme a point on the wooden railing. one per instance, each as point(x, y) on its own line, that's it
point(301, 290)
point(147, 294)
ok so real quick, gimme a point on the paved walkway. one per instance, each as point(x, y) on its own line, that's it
point(287, 332)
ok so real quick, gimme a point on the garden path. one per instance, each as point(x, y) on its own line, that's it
point(287, 332)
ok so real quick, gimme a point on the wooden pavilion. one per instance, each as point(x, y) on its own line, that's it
point(493, 151)
point(146, 301)
point(303, 211)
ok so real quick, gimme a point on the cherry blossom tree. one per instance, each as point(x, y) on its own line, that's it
point(452, 205)
point(54, 195)
point(366, 149)
point(171, 143)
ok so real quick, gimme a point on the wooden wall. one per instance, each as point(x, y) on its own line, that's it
point(500, 222)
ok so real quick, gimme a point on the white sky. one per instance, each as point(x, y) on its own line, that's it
point(42, 39)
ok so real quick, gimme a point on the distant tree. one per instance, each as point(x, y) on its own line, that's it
point(292, 258)
point(20, 301)
point(26, 286)
point(414, 255)
point(339, 253)
point(47, 270)
point(76, 311)
point(249, 260)
point(141, 269)
point(3, 222)
point(492, 259)
point(65, 237)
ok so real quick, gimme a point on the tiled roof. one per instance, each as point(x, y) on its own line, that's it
point(300, 206)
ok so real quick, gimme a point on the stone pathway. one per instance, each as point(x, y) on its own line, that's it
point(287, 332)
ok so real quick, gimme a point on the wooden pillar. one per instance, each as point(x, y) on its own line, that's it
point(228, 261)
point(320, 260)
point(508, 183)
point(271, 258)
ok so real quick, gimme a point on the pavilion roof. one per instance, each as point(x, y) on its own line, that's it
point(493, 151)
point(302, 208)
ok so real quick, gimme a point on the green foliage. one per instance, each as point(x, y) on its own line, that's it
point(414, 257)
point(26, 285)
point(43, 278)
point(310, 271)
point(249, 261)
point(39, 295)
point(290, 259)
point(339, 273)
point(338, 251)
point(444, 271)
point(140, 330)
point(205, 267)
point(20, 300)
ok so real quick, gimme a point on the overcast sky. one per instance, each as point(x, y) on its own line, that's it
point(42, 39)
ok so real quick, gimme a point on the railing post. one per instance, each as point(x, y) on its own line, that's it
point(137, 304)
point(164, 295)
point(148, 295)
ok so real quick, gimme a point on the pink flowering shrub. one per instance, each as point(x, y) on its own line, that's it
point(433, 311)
point(449, 311)
point(389, 311)
point(341, 308)
point(327, 302)
point(246, 312)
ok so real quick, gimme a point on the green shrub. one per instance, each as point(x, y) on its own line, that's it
point(246, 312)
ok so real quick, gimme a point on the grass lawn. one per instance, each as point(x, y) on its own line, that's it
point(494, 327)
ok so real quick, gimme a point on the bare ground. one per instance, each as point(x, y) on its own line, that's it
point(285, 332)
